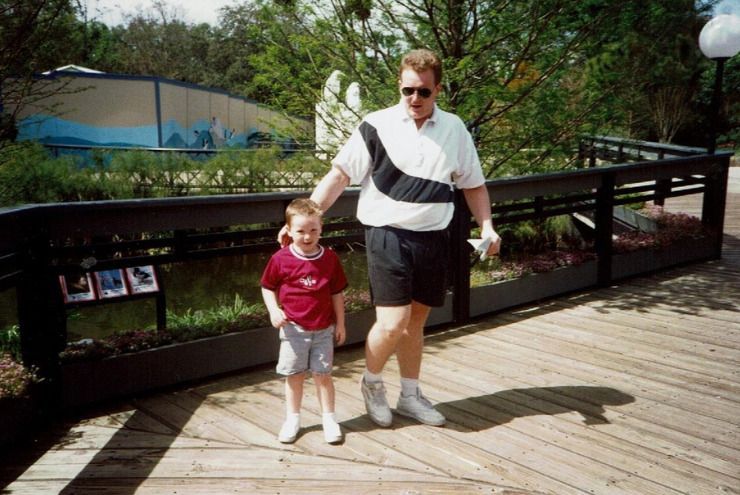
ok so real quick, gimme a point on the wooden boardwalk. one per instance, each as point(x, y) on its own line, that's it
point(631, 389)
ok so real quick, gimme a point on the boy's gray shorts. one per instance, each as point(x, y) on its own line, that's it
point(302, 350)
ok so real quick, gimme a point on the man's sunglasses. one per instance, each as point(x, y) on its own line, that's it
point(423, 92)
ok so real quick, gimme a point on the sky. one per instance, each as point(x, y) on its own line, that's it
point(113, 12)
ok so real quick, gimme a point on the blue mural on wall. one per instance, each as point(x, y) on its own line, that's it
point(49, 129)
point(207, 133)
point(204, 134)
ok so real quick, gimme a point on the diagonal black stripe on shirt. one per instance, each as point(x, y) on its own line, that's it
point(395, 184)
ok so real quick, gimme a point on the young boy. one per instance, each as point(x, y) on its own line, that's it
point(302, 287)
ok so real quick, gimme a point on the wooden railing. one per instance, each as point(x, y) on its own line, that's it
point(41, 242)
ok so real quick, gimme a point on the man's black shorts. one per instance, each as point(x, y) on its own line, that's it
point(404, 265)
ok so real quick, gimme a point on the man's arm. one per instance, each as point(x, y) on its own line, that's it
point(330, 187)
point(326, 193)
point(479, 203)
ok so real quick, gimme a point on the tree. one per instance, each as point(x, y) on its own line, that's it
point(650, 63)
point(34, 36)
point(503, 60)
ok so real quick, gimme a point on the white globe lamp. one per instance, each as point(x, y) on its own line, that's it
point(719, 40)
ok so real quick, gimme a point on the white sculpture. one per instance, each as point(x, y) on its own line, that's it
point(335, 119)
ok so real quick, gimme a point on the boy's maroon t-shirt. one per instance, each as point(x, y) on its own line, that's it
point(304, 285)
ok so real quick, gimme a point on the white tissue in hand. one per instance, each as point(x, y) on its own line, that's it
point(481, 245)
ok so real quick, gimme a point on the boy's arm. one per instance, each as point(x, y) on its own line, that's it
point(277, 317)
point(337, 301)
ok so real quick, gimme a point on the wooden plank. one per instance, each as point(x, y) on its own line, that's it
point(212, 486)
point(609, 457)
point(587, 429)
point(652, 403)
point(666, 364)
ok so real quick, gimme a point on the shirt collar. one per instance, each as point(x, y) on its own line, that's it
point(401, 108)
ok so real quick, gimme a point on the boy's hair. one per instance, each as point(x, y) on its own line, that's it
point(421, 60)
point(302, 206)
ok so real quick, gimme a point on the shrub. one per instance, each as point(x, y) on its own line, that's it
point(15, 379)
point(10, 341)
point(28, 174)
point(672, 227)
point(191, 325)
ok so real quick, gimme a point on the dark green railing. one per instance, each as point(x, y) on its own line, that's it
point(41, 242)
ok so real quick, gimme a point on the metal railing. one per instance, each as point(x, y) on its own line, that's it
point(41, 242)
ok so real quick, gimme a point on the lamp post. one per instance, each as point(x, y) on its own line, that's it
point(719, 40)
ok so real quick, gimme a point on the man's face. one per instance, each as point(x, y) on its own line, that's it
point(418, 107)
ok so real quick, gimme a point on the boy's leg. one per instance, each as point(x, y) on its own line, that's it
point(292, 362)
point(321, 362)
point(293, 398)
point(325, 391)
point(294, 392)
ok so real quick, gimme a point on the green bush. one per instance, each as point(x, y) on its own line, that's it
point(10, 341)
point(28, 174)
point(15, 379)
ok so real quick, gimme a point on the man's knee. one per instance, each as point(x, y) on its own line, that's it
point(391, 321)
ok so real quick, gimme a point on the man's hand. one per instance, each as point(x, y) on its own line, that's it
point(283, 238)
point(495, 246)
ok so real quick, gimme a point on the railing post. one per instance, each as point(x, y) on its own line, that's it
point(604, 218)
point(42, 321)
point(715, 199)
point(662, 186)
point(460, 260)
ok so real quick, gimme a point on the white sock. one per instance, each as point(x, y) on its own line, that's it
point(293, 418)
point(372, 377)
point(409, 386)
point(329, 417)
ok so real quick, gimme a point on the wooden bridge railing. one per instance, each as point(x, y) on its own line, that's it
point(41, 242)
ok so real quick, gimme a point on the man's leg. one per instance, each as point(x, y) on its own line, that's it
point(381, 343)
point(411, 402)
point(411, 343)
point(388, 329)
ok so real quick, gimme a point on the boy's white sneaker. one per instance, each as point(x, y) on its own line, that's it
point(376, 402)
point(289, 431)
point(419, 408)
point(332, 430)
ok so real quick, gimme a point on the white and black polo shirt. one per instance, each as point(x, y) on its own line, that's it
point(407, 174)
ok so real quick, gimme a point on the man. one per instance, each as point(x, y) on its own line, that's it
point(406, 159)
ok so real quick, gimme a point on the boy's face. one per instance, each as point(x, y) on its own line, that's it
point(305, 232)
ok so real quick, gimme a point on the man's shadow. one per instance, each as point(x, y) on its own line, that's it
point(487, 411)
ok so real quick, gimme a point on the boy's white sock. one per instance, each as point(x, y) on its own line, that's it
point(372, 377)
point(409, 386)
point(330, 417)
point(293, 418)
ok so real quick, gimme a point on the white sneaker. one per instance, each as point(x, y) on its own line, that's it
point(419, 408)
point(332, 431)
point(289, 431)
point(376, 403)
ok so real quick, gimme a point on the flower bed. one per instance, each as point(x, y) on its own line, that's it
point(672, 228)
point(189, 327)
point(17, 412)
